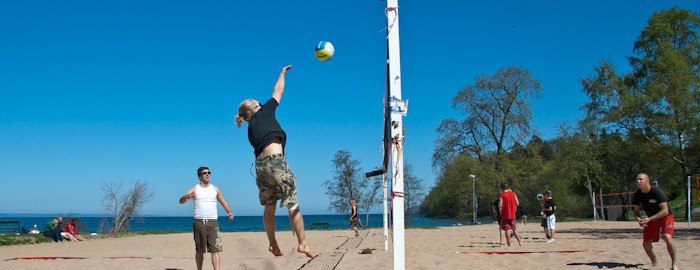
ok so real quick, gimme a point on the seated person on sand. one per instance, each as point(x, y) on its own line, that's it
point(72, 230)
point(52, 230)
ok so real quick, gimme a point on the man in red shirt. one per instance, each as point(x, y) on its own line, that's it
point(508, 205)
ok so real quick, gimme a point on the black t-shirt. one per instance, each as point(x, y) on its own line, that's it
point(263, 127)
point(522, 211)
point(547, 204)
point(497, 212)
point(651, 201)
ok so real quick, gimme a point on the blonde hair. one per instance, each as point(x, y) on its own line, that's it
point(245, 111)
point(352, 202)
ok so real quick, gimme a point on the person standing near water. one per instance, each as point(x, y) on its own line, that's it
point(354, 219)
point(206, 223)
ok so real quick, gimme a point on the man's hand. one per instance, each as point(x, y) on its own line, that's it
point(284, 70)
point(644, 222)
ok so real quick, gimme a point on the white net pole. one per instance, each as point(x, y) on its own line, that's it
point(394, 60)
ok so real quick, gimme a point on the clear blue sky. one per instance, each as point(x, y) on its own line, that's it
point(95, 92)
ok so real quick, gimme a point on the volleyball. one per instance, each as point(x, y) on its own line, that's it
point(324, 50)
point(539, 196)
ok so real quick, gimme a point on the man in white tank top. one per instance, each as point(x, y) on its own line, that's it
point(206, 225)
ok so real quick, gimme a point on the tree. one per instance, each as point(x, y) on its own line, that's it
point(414, 191)
point(660, 99)
point(579, 157)
point(496, 113)
point(371, 196)
point(349, 183)
point(451, 195)
point(123, 206)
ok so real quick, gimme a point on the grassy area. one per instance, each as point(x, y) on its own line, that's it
point(22, 239)
point(678, 207)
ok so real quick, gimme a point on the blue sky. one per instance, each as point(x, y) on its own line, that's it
point(95, 92)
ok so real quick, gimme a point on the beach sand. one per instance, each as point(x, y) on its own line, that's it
point(578, 245)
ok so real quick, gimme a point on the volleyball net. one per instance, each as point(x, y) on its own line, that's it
point(614, 206)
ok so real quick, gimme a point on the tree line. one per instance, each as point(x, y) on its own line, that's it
point(645, 120)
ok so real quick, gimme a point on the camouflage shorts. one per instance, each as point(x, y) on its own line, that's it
point(275, 181)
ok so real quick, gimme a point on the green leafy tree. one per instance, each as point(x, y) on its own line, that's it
point(659, 100)
point(496, 112)
point(579, 157)
point(452, 194)
point(522, 163)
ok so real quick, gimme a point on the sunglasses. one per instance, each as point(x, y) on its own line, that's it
point(209, 173)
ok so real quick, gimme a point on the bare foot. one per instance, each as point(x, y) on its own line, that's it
point(675, 267)
point(275, 250)
point(305, 249)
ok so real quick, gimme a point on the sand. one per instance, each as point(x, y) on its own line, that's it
point(578, 245)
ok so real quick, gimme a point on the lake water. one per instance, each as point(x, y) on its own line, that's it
point(239, 223)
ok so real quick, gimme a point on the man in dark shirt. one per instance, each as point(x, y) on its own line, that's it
point(659, 218)
point(497, 217)
point(549, 208)
point(274, 178)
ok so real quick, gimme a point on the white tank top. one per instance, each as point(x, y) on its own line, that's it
point(205, 202)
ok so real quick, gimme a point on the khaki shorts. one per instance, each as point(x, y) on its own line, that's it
point(275, 181)
point(206, 235)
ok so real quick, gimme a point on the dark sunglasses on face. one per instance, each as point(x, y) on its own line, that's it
point(209, 173)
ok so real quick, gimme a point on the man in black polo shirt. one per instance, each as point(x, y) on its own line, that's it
point(659, 217)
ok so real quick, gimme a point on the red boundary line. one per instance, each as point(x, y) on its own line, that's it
point(46, 258)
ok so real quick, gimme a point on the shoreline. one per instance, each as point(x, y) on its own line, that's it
point(583, 245)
